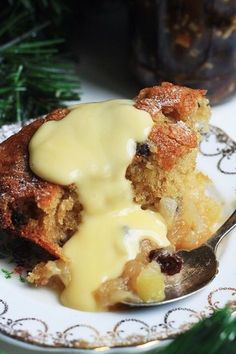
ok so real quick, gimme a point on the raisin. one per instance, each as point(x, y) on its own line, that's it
point(18, 219)
point(170, 263)
point(142, 149)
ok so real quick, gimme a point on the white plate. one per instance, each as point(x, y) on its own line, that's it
point(37, 320)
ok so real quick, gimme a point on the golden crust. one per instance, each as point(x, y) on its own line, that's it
point(177, 112)
point(171, 141)
point(21, 189)
point(174, 101)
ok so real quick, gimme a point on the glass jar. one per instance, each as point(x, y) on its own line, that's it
point(191, 43)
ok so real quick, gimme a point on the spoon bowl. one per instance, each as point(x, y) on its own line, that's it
point(200, 267)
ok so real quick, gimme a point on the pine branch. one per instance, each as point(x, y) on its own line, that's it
point(22, 37)
point(34, 79)
point(214, 335)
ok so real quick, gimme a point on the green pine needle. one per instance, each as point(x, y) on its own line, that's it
point(34, 79)
point(7, 274)
point(213, 335)
point(22, 279)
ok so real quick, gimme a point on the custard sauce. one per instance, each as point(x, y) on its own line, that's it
point(92, 147)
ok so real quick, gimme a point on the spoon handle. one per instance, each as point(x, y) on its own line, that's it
point(228, 225)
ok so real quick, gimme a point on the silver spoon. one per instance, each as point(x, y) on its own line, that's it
point(200, 267)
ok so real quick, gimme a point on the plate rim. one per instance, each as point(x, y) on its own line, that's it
point(138, 346)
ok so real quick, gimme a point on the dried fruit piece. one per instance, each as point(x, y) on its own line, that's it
point(142, 149)
point(170, 263)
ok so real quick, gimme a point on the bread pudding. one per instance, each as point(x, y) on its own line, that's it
point(110, 190)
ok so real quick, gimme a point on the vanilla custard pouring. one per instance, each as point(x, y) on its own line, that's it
point(92, 148)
